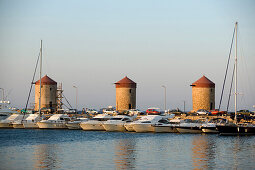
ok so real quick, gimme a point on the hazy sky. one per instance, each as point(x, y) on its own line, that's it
point(93, 44)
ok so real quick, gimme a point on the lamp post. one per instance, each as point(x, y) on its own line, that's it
point(76, 97)
point(165, 96)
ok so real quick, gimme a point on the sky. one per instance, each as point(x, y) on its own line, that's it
point(93, 44)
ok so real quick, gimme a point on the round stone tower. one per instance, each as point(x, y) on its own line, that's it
point(49, 93)
point(203, 94)
point(125, 94)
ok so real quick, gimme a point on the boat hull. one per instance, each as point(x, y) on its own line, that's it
point(18, 125)
point(6, 125)
point(73, 126)
point(236, 130)
point(209, 130)
point(114, 127)
point(46, 125)
point(92, 126)
point(165, 129)
point(189, 130)
point(141, 128)
point(129, 127)
point(32, 125)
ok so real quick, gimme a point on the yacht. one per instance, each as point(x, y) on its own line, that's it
point(75, 124)
point(145, 124)
point(210, 126)
point(7, 123)
point(190, 126)
point(95, 123)
point(116, 123)
point(57, 121)
point(18, 124)
point(164, 125)
point(31, 121)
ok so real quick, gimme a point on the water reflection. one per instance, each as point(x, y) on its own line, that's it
point(45, 156)
point(203, 152)
point(124, 154)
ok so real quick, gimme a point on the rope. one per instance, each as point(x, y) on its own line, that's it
point(226, 69)
point(68, 102)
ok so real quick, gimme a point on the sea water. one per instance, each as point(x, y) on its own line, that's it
point(77, 149)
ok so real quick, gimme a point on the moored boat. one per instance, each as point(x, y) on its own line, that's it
point(210, 126)
point(75, 124)
point(145, 124)
point(31, 121)
point(165, 126)
point(95, 123)
point(190, 126)
point(7, 123)
point(116, 123)
point(57, 121)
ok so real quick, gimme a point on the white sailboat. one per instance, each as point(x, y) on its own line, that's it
point(236, 128)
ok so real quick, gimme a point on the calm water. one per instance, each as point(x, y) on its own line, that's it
point(76, 149)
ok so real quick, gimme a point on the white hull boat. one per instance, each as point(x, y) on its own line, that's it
point(95, 124)
point(76, 123)
point(145, 124)
point(190, 126)
point(143, 127)
point(31, 121)
point(51, 125)
point(7, 123)
point(129, 127)
point(92, 125)
point(57, 121)
point(117, 123)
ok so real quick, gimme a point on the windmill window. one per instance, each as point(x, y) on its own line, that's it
point(130, 90)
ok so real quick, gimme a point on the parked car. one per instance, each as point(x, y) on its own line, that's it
point(153, 111)
point(203, 112)
point(217, 112)
point(134, 112)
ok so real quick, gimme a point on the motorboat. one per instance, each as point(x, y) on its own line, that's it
point(56, 121)
point(31, 121)
point(18, 124)
point(96, 123)
point(210, 126)
point(7, 123)
point(190, 126)
point(75, 124)
point(116, 123)
point(145, 124)
point(165, 126)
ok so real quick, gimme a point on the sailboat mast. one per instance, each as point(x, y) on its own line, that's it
point(236, 74)
point(40, 79)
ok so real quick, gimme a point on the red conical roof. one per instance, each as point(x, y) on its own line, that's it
point(203, 82)
point(125, 82)
point(46, 80)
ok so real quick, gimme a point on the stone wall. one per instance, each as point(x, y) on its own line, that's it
point(124, 97)
point(49, 94)
point(202, 98)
